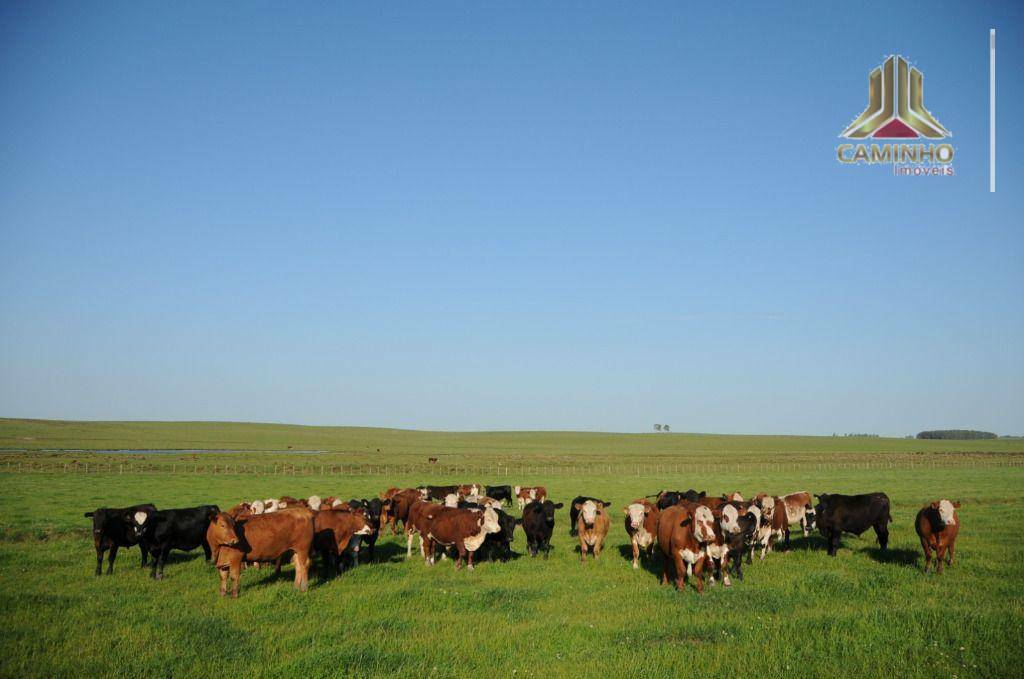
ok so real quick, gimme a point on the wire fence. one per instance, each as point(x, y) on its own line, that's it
point(494, 470)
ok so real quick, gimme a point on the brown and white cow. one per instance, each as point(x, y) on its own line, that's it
point(464, 529)
point(773, 522)
point(733, 497)
point(470, 489)
point(416, 521)
point(938, 525)
point(527, 494)
point(679, 538)
point(799, 510)
point(591, 527)
point(642, 527)
point(259, 539)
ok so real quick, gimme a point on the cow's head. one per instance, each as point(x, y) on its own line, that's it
point(424, 494)
point(822, 507)
point(636, 513)
point(137, 521)
point(222, 530)
point(730, 519)
point(257, 507)
point(549, 507)
point(946, 511)
point(451, 500)
point(767, 505)
point(810, 516)
point(314, 502)
point(516, 489)
point(489, 521)
point(270, 505)
point(703, 524)
point(588, 511)
point(755, 512)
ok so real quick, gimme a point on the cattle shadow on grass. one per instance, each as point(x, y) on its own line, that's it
point(385, 552)
point(900, 557)
point(650, 564)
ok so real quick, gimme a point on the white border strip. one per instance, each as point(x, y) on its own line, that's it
point(992, 110)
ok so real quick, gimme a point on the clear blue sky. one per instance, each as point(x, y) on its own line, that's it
point(504, 216)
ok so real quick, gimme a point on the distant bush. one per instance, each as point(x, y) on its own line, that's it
point(956, 434)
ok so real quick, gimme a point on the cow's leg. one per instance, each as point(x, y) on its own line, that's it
point(164, 553)
point(207, 552)
point(834, 542)
point(597, 547)
point(940, 554)
point(725, 570)
point(927, 553)
point(301, 571)
point(236, 575)
point(681, 570)
point(110, 559)
point(547, 548)
point(636, 553)
point(99, 558)
point(145, 554)
point(805, 528)
point(882, 531)
point(787, 537)
point(583, 550)
point(470, 554)
point(949, 554)
point(223, 579)
point(698, 573)
point(156, 561)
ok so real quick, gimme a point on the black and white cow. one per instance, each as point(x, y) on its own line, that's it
point(838, 514)
point(372, 508)
point(499, 545)
point(114, 528)
point(182, 529)
point(670, 498)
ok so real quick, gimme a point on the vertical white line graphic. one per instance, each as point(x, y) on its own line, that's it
point(992, 110)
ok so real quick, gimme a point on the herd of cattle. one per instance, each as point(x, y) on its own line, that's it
point(696, 534)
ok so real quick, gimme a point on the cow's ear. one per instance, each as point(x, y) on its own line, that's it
point(686, 522)
point(934, 505)
point(956, 505)
point(702, 494)
point(647, 509)
point(559, 505)
point(519, 521)
point(577, 505)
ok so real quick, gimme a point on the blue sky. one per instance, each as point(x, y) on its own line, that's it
point(483, 216)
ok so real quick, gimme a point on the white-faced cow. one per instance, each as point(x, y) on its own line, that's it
point(642, 527)
point(938, 525)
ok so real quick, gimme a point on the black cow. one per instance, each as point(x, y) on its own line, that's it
point(538, 524)
point(574, 514)
point(372, 509)
point(670, 498)
point(503, 493)
point(838, 514)
point(183, 529)
point(499, 545)
point(438, 492)
point(113, 528)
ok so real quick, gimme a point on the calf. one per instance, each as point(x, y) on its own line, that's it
point(416, 524)
point(642, 527)
point(740, 536)
point(937, 525)
point(592, 527)
point(334, 531)
point(259, 539)
point(464, 529)
point(503, 493)
point(538, 524)
point(772, 524)
point(838, 514)
point(114, 528)
point(183, 529)
point(680, 545)
point(574, 511)
point(799, 510)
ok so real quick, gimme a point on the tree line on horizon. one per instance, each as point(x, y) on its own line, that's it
point(956, 434)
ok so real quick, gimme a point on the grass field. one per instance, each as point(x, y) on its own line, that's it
point(798, 613)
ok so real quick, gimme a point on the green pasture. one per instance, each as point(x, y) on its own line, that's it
point(800, 613)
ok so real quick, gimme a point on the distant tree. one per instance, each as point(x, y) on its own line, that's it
point(657, 427)
point(956, 434)
point(664, 427)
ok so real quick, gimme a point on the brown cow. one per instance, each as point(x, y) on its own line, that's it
point(389, 493)
point(465, 529)
point(712, 502)
point(937, 525)
point(642, 527)
point(332, 531)
point(262, 538)
point(398, 510)
point(679, 544)
point(591, 527)
point(773, 521)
